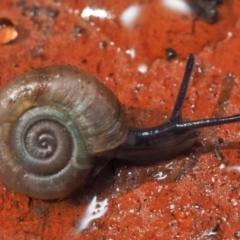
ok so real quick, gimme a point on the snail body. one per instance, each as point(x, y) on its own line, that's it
point(57, 122)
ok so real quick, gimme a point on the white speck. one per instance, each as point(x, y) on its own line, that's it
point(212, 233)
point(159, 188)
point(224, 219)
point(131, 211)
point(197, 206)
point(229, 34)
point(76, 11)
point(96, 12)
point(169, 165)
point(192, 107)
point(233, 168)
point(199, 69)
point(235, 202)
point(213, 67)
point(222, 166)
point(140, 85)
point(131, 52)
point(145, 133)
point(160, 176)
point(176, 5)
point(171, 206)
point(94, 210)
point(142, 68)
point(130, 14)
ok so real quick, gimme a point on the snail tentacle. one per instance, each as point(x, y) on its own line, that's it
point(172, 137)
point(177, 110)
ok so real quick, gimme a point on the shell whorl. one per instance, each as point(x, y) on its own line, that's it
point(54, 121)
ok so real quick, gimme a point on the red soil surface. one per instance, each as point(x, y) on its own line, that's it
point(199, 199)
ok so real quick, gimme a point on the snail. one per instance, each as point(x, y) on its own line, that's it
point(57, 122)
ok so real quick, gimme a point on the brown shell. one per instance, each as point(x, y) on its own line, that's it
point(87, 102)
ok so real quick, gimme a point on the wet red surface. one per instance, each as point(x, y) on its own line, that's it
point(197, 201)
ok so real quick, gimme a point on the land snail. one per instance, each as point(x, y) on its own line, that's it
point(58, 121)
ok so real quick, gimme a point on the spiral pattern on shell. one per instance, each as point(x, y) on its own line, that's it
point(54, 121)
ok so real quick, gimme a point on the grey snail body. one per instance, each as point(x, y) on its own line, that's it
point(58, 121)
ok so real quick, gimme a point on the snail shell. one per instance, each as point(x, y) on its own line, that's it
point(54, 121)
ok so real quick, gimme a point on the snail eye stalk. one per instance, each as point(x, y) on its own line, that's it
point(167, 140)
point(177, 110)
